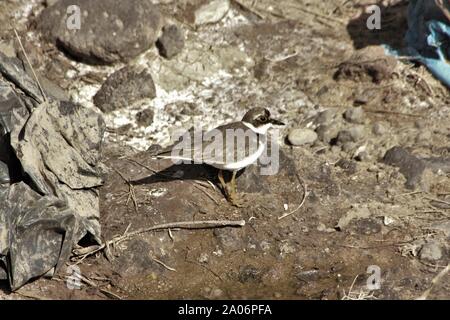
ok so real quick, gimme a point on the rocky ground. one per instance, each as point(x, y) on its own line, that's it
point(364, 175)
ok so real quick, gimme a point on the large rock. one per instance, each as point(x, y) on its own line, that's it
point(171, 41)
point(123, 88)
point(110, 30)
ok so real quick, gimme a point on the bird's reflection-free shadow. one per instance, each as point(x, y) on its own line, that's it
point(185, 172)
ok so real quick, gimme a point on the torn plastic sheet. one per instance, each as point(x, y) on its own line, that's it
point(428, 37)
point(50, 171)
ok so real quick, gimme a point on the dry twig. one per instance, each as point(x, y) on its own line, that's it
point(173, 225)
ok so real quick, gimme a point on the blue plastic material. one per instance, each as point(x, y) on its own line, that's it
point(428, 39)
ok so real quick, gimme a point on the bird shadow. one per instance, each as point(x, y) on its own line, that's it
point(184, 172)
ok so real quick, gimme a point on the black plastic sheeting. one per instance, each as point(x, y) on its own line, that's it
point(50, 172)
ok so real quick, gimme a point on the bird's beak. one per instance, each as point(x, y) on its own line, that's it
point(276, 122)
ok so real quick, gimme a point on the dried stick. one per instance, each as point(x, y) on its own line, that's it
point(305, 194)
point(207, 224)
point(29, 63)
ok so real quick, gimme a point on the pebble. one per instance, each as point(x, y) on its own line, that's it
point(212, 12)
point(355, 115)
point(171, 42)
point(298, 137)
point(326, 133)
point(357, 133)
point(144, 118)
point(216, 293)
point(431, 251)
point(325, 117)
point(379, 129)
point(343, 137)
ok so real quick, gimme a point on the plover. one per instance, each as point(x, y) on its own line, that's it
point(230, 147)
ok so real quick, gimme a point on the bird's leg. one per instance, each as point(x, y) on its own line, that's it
point(232, 195)
point(222, 182)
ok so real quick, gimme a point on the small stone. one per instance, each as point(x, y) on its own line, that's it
point(431, 251)
point(362, 156)
point(325, 117)
point(298, 137)
point(171, 41)
point(348, 146)
point(144, 118)
point(212, 12)
point(216, 293)
point(357, 133)
point(326, 133)
point(343, 137)
point(348, 166)
point(355, 115)
point(379, 129)
point(387, 220)
point(203, 258)
point(423, 136)
point(123, 88)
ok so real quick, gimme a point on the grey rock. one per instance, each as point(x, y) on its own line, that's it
point(343, 137)
point(326, 133)
point(348, 146)
point(379, 129)
point(362, 156)
point(212, 12)
point(144, 118)
point(110, 30)
point(431, 251)
point(216, 293)
point(355, 115)
point(325, 117)
point(171, 41)
point(357, 133)
point(348, 166)
point(410, 166)
point(298, 137)
point(367, 226)
point(123, 88)
point(423, 136)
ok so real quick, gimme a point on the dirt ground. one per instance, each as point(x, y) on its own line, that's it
point(304, 57)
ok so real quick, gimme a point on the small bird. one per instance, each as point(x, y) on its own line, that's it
point(235, 146)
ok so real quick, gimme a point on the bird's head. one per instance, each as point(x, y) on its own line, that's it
point(260, 119)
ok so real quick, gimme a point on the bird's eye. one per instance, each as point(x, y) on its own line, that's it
point(263, 118)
